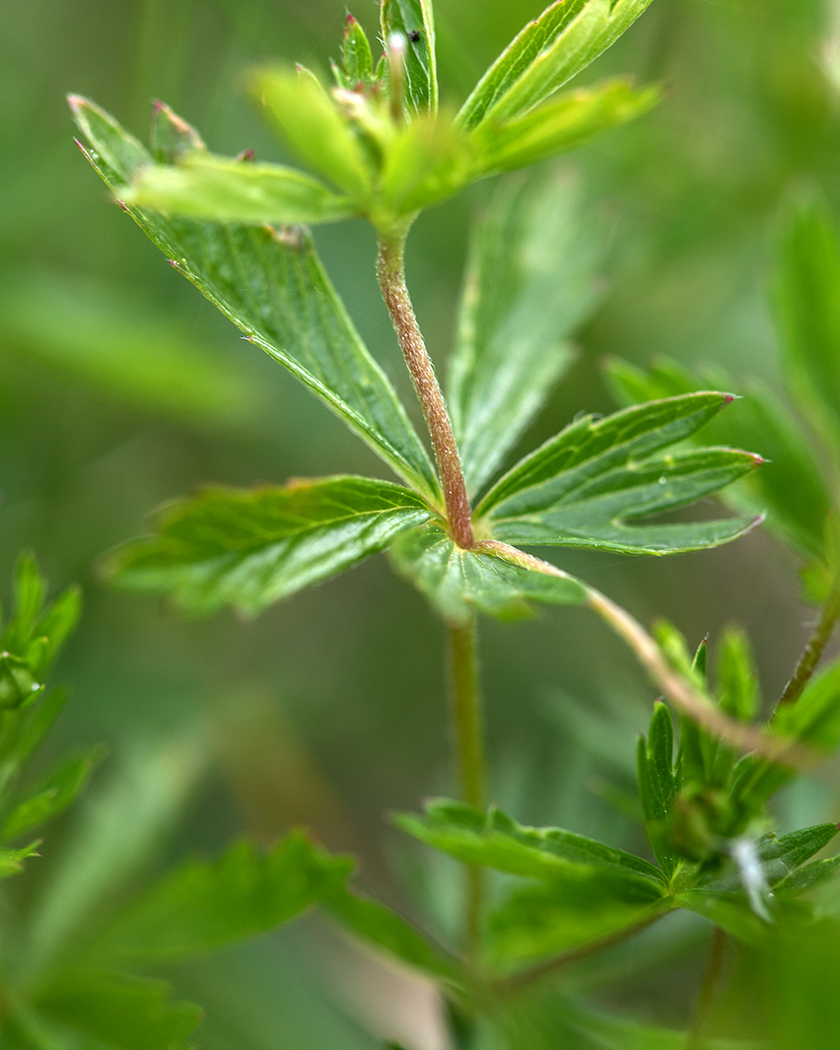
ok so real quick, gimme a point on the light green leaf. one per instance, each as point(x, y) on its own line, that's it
point(172, 138)
point(728, 910)
point(203, 186)
point(547, 54)
point(585, 487)
point(122, 1013)
point(251, 547)
point(270, 283)
point(426, 160)
point(202, 906)
point(11, 860)
point(619, 1033)
point(531, 280)
point(460, 583)
point(301, 108)
point(807, 301)
point(545, 919)
point(560, 125)
point(493, 840)
point(414, 19)
point(737, 676)
point(51, 797)
point(789, 487)
point(387, 931)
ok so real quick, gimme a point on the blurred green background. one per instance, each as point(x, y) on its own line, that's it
point(121, 388)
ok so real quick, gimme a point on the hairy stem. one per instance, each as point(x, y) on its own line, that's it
point(814, 649)
point(708, 989)
point(390, 270)
point(469, 748)
point(677, 688)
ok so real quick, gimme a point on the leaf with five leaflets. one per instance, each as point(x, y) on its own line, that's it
point(249, 548)
point(414, 19)
point(270, 283)
point(587, 486)
point(204, 905)
point(566, 37)
point(531, 280)
point(459, 583)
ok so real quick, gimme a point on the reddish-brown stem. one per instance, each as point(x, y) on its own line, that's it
point(390, 271)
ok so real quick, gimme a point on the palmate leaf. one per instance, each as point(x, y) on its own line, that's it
point(531, 280)
point(587, 486)
point(790, 486)
point(270, 283)
point(205, 905)
point(567, 37)
point(458, 583)
point(415, 20)
point(250, 547)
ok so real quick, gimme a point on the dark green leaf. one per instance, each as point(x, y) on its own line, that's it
point(789, 487)
point(657, 784)
point(586, 486)
point(780, 856)
point(560, 125)
point(617, 1033)
point(808, 877)
point(205, 905)
point(460, 583)
point(387, 931)
point(728, 910)
point(493, 840)
point(270, 283)
point(122, 1013)
point(251, 547)
point(218, 189)
point(531, 280)
point(51, 797)
point(414, 19)
point(547, 919)
point(547, 54)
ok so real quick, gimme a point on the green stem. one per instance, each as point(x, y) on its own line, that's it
point(390, 270)
point(813, 650)
point(469, 748)
point(708, 989)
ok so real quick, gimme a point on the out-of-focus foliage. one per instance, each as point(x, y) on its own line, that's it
point(91, 436)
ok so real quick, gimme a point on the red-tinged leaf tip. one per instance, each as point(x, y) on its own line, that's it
point(76, 102)
point(759, 461)
point(158, 106)
point(247, 156)
point(349, 21)
point(728, 399)
point(122, 204)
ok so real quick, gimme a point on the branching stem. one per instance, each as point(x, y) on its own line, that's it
point(468, 731)
point(390, 270)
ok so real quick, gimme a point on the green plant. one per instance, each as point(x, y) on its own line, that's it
point(386, 150)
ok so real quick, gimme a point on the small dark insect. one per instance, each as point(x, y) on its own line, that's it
point(415, 36)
